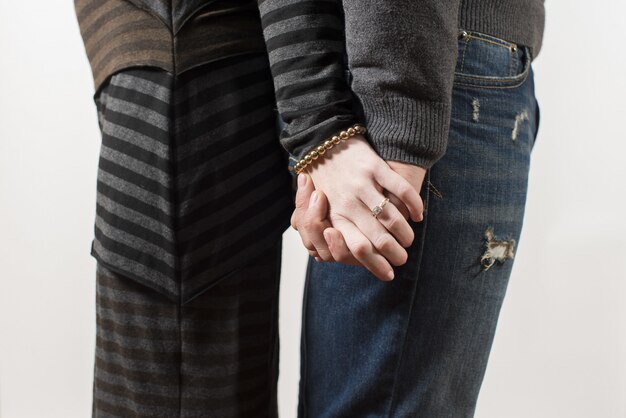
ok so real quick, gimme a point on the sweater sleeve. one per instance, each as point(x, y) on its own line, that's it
point(305, 43)
point(402, 56)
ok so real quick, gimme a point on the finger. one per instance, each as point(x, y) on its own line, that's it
point(398, 204)
point(400, 187)
point(338, 248)
point(377, 234)
point(363, 250)
point(303, 195)
point(314, 222)
point(390, 217)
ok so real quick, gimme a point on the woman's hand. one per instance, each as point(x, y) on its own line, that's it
point(353, 177)
point(310, 218)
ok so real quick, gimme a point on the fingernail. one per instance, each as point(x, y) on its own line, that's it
point(313, 199)
point(390, 275)
point(328, 238)
point(301, 180)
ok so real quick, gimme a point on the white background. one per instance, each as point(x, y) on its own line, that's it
point(560, 349)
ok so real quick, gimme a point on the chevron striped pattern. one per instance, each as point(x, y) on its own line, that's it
point(191, 182)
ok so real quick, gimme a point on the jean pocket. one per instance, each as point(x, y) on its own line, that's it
point(490, 62)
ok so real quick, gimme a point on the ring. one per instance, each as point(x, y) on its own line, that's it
point(379, 208)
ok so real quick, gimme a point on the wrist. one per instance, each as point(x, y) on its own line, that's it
point(325, 146)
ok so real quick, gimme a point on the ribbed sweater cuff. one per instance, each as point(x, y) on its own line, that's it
point(403, 129)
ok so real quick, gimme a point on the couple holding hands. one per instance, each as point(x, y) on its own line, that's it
point(409, 126)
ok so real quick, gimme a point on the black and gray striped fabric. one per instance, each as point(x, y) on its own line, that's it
point(305, 43)
point(192, 183)
point(215, 357)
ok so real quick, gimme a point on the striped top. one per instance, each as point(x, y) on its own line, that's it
point(175, 35)
point(402, 56)
point(306, 46)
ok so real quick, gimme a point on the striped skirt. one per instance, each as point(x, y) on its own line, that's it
point(193, 195)
point(214, 357)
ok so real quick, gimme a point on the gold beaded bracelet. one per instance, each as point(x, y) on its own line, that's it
point(326, 145)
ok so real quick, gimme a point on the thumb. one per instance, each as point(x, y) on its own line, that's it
point(303, 195)
point(305, 188)
point(318, 207)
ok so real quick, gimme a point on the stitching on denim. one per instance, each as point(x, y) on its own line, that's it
point(504, 44)
point(489, 84)
point(488, 87)
point(413, 295)
point(463, 57)
point(495, 82)
point(489, 79)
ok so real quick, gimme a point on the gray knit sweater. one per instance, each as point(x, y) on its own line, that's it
point(402, 55)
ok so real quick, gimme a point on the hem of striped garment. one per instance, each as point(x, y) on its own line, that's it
point(173, 296)
point(183, 298)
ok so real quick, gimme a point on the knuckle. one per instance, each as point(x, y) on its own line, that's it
point(404, 190)
point(401, 259)
point(384, 242)
point(340, 257)
point(338, 252)
point(326, 256)
point(307, 223)
point(376, 169)
point(363, 184)
point(394, 222)
point(349, 204)
point(360, 249)
point(299, 199)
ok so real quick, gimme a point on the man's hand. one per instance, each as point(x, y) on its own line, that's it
point(310, 217)
point(413, 174)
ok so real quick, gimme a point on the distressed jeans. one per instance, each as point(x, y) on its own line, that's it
point(418, 346)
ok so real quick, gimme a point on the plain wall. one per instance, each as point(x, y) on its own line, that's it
point(560, 348)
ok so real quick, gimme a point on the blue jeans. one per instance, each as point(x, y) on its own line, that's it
point(418, 346)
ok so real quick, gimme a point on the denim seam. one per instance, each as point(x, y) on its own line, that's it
point(413, 296)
